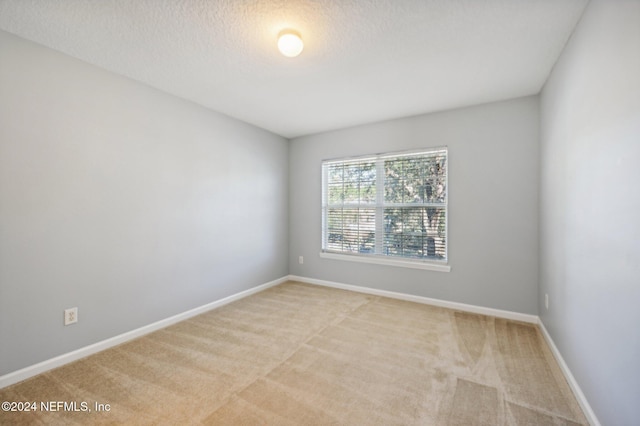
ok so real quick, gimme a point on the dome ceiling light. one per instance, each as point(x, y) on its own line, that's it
point(290, 43)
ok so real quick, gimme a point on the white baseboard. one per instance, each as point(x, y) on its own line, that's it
point(41, 367)
point(25, 373)
point(516, 316)
point(582, 400)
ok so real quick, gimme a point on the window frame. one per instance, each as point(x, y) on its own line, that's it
point(379, 206)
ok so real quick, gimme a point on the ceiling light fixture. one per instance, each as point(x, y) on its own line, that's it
point(290, 43)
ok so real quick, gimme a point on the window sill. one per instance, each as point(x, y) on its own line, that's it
point(379, 260)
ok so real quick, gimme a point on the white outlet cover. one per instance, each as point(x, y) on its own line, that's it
point(70, 316)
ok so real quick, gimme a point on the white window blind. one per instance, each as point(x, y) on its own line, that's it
point(391, 205)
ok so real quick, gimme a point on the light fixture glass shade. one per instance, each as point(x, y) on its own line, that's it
point(290, 43)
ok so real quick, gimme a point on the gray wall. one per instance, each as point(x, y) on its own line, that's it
point(493, 204)
point(590, 208)
point(124, 201)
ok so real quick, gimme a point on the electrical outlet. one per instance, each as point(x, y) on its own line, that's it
point(300, 260)
point(70, 316)
point(546, 301)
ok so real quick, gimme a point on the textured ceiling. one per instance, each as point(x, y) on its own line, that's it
point(364, 60)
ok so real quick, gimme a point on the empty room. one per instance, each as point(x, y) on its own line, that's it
point(320, 212)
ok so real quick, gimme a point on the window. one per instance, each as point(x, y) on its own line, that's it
point(388, 208)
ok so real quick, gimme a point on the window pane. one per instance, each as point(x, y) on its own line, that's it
point(435, 179)
point(360, 180)
point(413, 180)
point(405, 180)
point(417, 232)
point(334, 185)
point(351, 230)
point(393, 181)
point(334, 229)
point(368, 183)
point(420, 179)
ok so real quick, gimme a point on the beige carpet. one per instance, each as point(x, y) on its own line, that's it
point(298, 354)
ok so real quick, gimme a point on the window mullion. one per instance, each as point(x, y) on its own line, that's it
point(379, 206)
